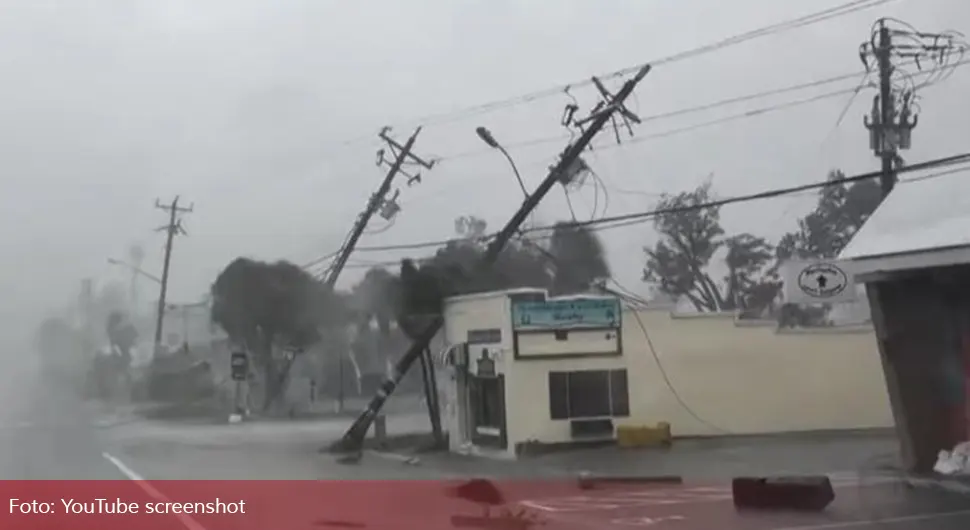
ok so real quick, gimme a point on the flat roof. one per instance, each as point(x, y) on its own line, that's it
point(494, 294)
point(919, 216)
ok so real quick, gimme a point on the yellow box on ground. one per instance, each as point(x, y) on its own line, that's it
point(633, 436)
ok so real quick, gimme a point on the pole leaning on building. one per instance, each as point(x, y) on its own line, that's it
point(562, 171)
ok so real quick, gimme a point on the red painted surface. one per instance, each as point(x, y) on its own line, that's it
point(397, 505)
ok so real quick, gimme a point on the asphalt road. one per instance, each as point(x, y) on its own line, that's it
point(46, 434)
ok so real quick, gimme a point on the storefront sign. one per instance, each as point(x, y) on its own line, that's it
point(817, 282)
point(572, 313)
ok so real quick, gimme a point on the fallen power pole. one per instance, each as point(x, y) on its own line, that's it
point(353, 438)
point(173, 228)
point(378, 201)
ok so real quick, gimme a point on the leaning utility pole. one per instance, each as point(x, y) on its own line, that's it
point(173, 228)
point(561, 172)
point(893, 117)
point(378, 201)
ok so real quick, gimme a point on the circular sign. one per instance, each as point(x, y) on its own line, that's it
point(822, 280)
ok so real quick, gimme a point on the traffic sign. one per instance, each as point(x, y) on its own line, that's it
point(239, 366)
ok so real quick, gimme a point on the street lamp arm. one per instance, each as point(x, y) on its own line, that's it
point(135, 269)
point(151, 277)
point(515, 169)
point(490, 140)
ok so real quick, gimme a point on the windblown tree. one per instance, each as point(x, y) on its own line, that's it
point(374, 298)
point(579, 258)
point(457, 264)
point(840, 212)
point(261, 305)
point(679, 265)
point(574, 260)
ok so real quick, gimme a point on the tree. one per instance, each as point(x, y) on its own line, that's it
point(841, 211)
point(690, 237)
point(375, 297)
point(260, 305)
point(750, 287)
point(457, 264)
point(579, 258)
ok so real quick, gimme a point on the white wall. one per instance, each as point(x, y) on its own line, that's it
point(754, 379)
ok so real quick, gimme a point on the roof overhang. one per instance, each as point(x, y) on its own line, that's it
point(877, 268)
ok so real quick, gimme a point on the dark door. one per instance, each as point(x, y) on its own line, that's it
point(487, 404)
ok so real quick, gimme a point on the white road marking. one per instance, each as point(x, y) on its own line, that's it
point(187, 522)
point(646, 521)
point(875, 522)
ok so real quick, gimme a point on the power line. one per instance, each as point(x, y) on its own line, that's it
point(800, 190)
point(786, 25)
point(855, 89)
point(633, 218)
point(617, 221)
point(491, 106)
point(751, 113)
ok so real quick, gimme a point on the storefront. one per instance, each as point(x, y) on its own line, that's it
point(526, 370)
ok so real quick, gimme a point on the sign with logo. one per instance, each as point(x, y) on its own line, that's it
point(239, 366)
point(817, 282)
point(569, 313)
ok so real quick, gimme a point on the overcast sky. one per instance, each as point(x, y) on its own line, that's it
point(264, 114)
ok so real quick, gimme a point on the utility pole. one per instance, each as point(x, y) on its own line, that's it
point(378, 202)
point(561, 172)
point(887, 111)
point(893, 115)
point(173, 228)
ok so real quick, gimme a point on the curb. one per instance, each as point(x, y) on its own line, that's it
point(951, 485)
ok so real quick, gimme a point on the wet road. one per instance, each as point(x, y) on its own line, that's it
point(710, 507)
point(46, 433)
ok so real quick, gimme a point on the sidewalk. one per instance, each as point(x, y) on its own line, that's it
point(703, 459)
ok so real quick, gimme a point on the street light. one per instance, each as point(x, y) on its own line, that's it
point(134, 269)
point(487, 137)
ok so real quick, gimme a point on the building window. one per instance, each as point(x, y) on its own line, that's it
point(588, 394)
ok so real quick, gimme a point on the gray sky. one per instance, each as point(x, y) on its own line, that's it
point(245, 107)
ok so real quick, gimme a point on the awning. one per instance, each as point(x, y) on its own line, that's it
point(922, 224)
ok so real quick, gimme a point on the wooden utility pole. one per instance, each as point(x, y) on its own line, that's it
point(353, 438)
point(887, 110)
point(378, 201)
point(173, 228)
point(893, 118)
